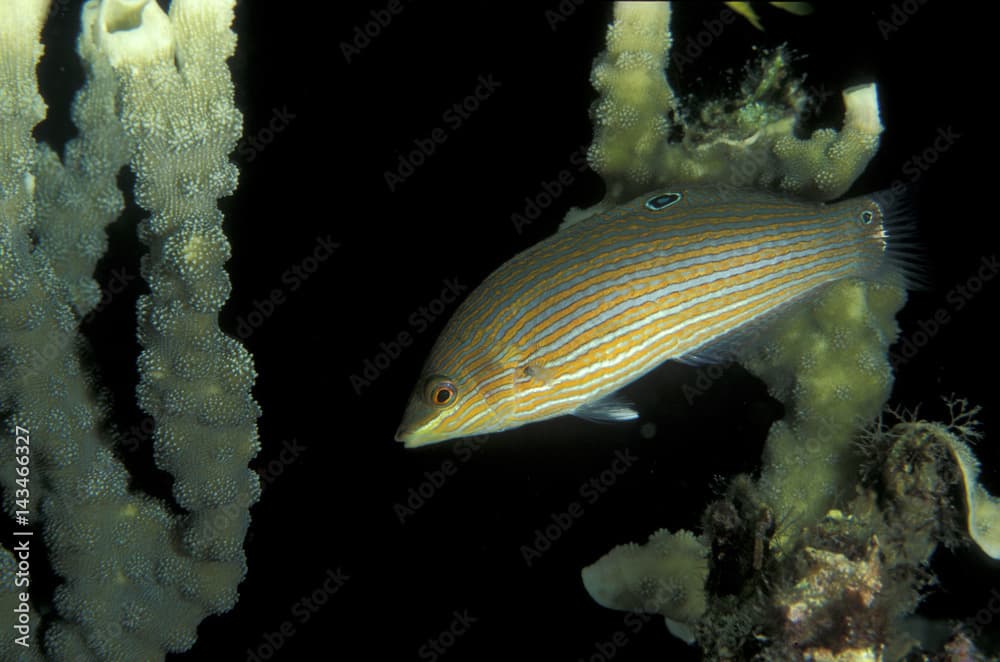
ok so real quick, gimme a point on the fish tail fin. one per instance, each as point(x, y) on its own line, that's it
point(904, 256)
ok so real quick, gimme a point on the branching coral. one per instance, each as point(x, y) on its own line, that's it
point(788, 574)
point(643, 137)
point(828, 364)
point(665, 576)
point(137, 577)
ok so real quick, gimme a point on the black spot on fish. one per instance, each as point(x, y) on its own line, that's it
point(662, 201)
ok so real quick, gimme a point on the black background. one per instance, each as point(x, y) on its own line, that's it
point(323, 175)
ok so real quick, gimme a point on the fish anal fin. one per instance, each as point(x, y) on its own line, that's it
point(609, 408)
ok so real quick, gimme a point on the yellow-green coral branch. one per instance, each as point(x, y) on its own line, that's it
point(665, 576)
point(643, 137)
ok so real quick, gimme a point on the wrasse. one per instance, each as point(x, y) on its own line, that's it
point(679, 274)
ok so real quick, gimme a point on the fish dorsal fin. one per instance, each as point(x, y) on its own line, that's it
point(609, 408)
point(576, 214)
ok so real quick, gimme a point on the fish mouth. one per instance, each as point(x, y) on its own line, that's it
point(415, 437)
point(403, 435)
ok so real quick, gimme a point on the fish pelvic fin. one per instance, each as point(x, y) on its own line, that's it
point(607, 409)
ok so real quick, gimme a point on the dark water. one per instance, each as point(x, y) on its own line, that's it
point(325, 132)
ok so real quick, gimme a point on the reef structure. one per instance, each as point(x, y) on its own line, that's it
point(781, 568)
point(643, 138)
point(137, 574)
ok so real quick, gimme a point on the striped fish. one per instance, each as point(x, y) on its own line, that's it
point(680, 274)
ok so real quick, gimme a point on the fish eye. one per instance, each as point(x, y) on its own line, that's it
point(867, 216)
point(440, 391)
point(662, 201)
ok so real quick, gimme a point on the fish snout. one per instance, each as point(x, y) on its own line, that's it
point(403, 434)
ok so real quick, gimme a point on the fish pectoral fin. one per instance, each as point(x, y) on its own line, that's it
point(532, 372)
point(609, 408)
